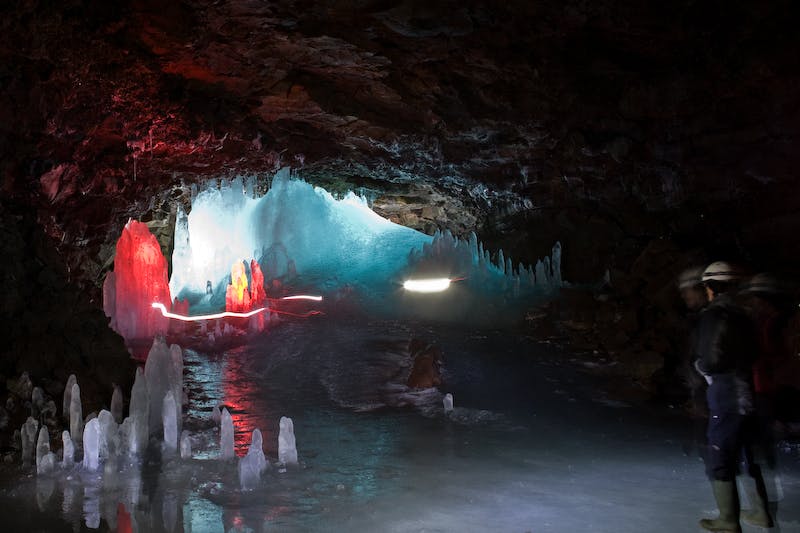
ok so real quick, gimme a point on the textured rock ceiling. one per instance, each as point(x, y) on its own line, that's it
point(528, 121)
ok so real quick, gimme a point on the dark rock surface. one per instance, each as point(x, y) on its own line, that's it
point(644, 136)
point(49, 328)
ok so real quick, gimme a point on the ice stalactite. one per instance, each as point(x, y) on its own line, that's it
point(139, 279)
point(287, 447)
point(301, 235)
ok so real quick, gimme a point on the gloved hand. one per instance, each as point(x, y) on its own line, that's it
point(707, 377)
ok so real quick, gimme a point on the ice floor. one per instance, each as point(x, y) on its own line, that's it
point(533, 445)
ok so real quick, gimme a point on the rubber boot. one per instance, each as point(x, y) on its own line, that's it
point(759, 514)
point(728, 504)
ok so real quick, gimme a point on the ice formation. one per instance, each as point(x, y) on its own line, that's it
point(287, 448)
point(116, 404)
point(71, 380)
point(91, 445)
point(216, 415)
point(37, 401)
point(186, 445)
point(68, 453)
point(29, 434)
point(170, 422)
point(300, 235)
point(75, 414)
point(448, 403)
point(226, 436)
point(45, 460)
point(139, 279)
point(253, 464)
point(138, 429)
point(162, 370)
point(108, 434)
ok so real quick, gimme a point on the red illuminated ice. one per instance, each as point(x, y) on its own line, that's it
point(139, 279)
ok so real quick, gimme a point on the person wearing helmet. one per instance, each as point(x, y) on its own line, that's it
point(771, 309)
point(693, 294)
point(725, 350)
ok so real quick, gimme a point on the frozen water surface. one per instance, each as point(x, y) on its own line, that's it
point(532, 445)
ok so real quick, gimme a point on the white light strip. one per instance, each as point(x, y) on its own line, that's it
point(303, 297)
point(427, 285)
point(195, 318)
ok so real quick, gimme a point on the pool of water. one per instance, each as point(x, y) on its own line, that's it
point(534, 444)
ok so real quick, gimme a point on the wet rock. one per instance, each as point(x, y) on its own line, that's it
point(22, 387)
point(425, 371)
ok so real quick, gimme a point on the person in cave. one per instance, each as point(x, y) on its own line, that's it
point(771, 309)
point(725, 349)
point(693, 294)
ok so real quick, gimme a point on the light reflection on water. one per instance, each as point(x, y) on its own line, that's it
point(514, 455)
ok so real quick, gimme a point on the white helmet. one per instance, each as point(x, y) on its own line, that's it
point(762, 284)
point(721, 271)
point(691, 277)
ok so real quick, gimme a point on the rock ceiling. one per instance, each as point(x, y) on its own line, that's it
point(672, 119)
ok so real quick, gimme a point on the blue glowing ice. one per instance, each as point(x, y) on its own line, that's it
point(304, 237)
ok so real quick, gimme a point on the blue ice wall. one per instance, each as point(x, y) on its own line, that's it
point(307, 239)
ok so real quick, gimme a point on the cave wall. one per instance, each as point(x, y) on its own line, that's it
point(614, 126)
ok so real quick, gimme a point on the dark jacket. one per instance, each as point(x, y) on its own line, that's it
point(725, 349)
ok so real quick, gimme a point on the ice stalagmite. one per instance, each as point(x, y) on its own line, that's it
point(72, 380)
point(68, 457)
point(160, 373)
point(28, 433)
point(139, 279)
point(116, 404)
point(448, 403)
point(37, 401)
point(176, 355)
point(169, 412)
point(91, 445)
point(216, 416)
point(139, 413)
point(186, 445)
point(253, 464)
point(226, 436)
point(287, 448)
point(108, 434)
point(75, 414)
point(45, 461)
